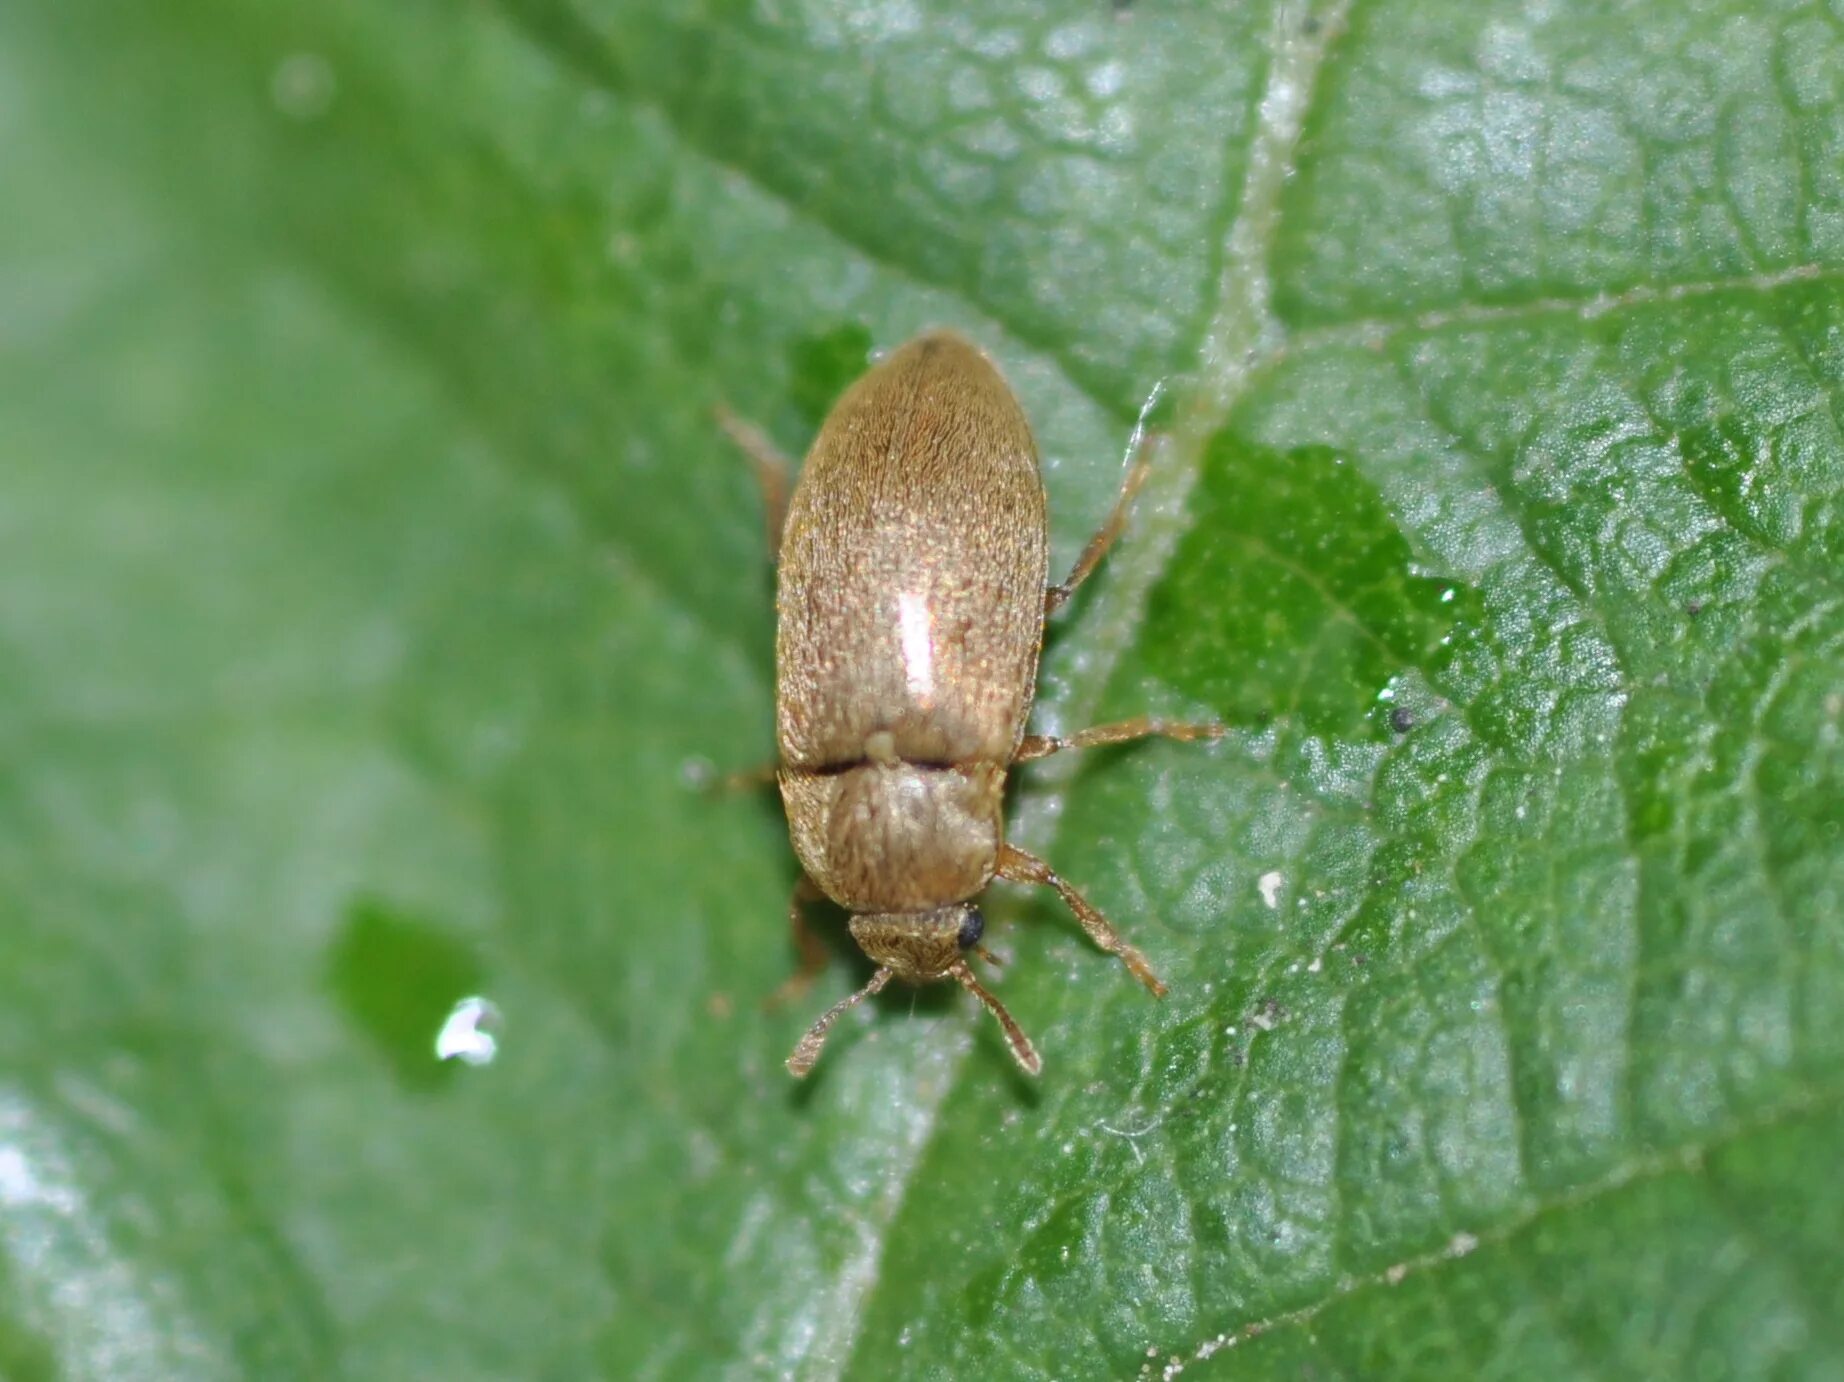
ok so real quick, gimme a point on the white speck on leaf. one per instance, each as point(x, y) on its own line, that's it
point(467, 1033)
point(1269, 886)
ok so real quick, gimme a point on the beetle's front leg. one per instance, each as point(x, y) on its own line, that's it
point(1016, 866)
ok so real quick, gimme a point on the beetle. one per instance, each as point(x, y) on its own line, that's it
point(911, 600)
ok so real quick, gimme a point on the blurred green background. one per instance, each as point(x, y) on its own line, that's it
point(373, 582)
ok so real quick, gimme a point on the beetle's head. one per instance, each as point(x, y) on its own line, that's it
point(919, 946)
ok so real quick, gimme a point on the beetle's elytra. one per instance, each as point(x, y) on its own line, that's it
point(911, 600)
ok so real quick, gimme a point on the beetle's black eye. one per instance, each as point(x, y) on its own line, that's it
point(972, 927)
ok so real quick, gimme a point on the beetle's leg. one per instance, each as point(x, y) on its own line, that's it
point(707, 779)
point(1022, 1050)
point(1018, 867)
point(771, 469)
point(1120, 732)
point(807, 943)
point(807, 1051)
point(1058, 595)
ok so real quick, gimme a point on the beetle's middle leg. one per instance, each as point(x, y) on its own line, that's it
point(1016, 866)
point(807, 944)
point(771, 471)
point(1120, 732)
point(742, 780)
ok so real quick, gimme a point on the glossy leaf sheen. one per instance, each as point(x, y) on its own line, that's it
point(371, 573)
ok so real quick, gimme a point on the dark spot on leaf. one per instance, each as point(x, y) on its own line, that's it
point(984, 1291)
point(1401, 719)
point(1296, 594)
point(1663, 755)
point(398, 977)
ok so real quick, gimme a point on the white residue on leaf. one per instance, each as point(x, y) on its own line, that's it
point(468, 1033)
point(1269, 886)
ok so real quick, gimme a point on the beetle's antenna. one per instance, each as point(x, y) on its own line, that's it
point(1022, 1050)
point(808, 1051)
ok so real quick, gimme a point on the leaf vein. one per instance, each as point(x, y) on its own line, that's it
point(1371, 332)
point(1686, 1157)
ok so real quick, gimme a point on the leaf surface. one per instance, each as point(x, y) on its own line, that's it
point(374, 585)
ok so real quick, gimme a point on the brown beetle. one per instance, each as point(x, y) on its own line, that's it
point(911, 599)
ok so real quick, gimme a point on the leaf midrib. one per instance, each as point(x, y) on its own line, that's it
point(1234, 337)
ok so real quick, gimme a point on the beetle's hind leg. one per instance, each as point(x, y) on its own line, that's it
point(1120, 732)
point(771, 470)
point(1018, 867)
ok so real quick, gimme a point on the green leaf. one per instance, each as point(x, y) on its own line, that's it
point(375, 587)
